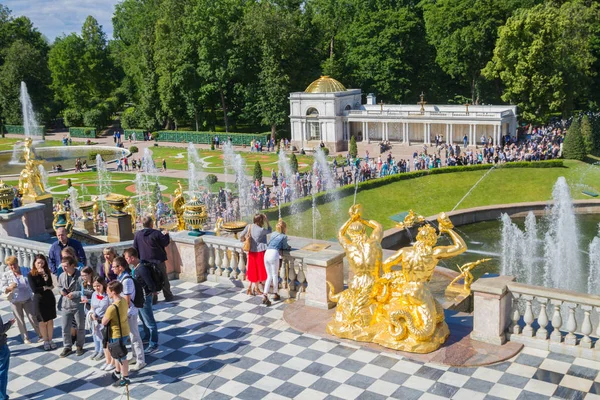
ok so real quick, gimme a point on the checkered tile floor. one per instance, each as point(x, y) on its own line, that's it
point(218, 343)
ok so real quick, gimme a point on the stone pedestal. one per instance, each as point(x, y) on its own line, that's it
point(86, 225)
point(491, 309)
point(119, 228)
point(320, 270)
point(27, 221)
point(48, 211)
point(188, 256)
point(11, 224)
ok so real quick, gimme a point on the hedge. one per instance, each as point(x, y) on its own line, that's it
point(207, 137)
point(348, 190)
point(20, 130)
point(82, 132)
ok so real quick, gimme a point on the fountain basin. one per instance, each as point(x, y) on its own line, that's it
point(64, 155)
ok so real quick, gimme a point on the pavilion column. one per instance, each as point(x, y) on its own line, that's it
point(387, 131)
point(474, 136)
point(451, 134)
point(498, 134)
point(447, 135)
point(367, 131)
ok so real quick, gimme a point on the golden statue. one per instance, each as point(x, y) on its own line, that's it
point(356, 305)
point(218, 226)
point(62, 219)
point(410, 220)
point(95, 208)
point(30, 179)
point(178, 206)
point(465, 272)
point(131, 210)
point(396, 310)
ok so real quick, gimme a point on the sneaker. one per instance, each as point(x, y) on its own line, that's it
point(138, 366)
point(122, 382)
point(151, 350)
point(46, 346)
point(93, 357)
point(276, 297)
point(66, 351)
point(100, 356)
point(116, 376)
point(108, 367)
point(132, 361)
point(79, 351)
point(52, 345)
point(41, 340)
point(26, 341)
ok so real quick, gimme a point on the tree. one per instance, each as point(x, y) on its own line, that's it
point(586, 133)
point(543, 58)
point(294, 163)
point(353, 147)
point(157, 194)
point(574, 146)
point(258, 174)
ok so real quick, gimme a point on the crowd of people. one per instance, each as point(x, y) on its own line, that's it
point(104, 303)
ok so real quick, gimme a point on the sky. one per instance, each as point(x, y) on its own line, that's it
point(55, 17)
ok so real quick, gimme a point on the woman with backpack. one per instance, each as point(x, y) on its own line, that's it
point(277, 243)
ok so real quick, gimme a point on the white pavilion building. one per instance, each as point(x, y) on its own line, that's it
point(327, 111)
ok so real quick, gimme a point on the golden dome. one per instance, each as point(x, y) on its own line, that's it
point(325, 84)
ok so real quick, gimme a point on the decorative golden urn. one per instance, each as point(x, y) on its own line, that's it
point(195, 216)
point(62, 219)
point(117, 202)
point(7, 195)
point(86, 206)
point(234, 227)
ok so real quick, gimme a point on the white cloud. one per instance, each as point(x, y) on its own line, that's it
point(55, 17)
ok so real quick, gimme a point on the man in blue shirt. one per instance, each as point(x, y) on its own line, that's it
point(54, 257)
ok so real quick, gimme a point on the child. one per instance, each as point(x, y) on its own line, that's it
point(99, 304)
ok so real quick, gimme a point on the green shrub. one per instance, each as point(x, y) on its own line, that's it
point(129, 119)
point(155, 135)
point(258, 174)
point(294, 163)
point(133, 149)
point(325, 150)
point(72, 117)
point(207, 137)
point(82, 132)
point(211, 179)
point(353, 147)
point(20, 129)
point(96, 117)
point(212, 146)
point(574, 144)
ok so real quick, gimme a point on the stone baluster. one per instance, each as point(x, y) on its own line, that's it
point(291, 276)
point(211, 258)
point(241, 265)
point(217, 259)
point(570, 338)
point(556, 335)
point(301, 277)
point(586, 327)
point(528, 316)
point(282, 274)
point(3, 256)
point(19, 254)
point(233, 262)
point(542, 332)
point(223, 271)
point(516, 315)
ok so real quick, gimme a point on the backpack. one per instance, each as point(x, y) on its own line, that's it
point(139, 299)
point(156, 274)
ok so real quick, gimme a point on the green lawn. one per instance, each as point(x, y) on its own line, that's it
point(8, 143)
point(436, 193)
point(176, 158)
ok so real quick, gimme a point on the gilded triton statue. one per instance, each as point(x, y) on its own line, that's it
point(409, 318)
point(30, 179)
point(178, 206)
point(131, 210)
point(356, 305)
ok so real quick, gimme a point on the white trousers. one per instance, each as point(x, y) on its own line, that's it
point(137, 347)
point(272, 267)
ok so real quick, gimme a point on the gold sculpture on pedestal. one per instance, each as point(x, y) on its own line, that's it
point(397, 309)
point(410, 220)
point(179, 206)
point(62, 219)
point(356, 305)
point(131, 210)
point(465, 273)
point(30, 179)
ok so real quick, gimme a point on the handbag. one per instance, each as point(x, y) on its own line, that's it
point(118, 349)
point(248, 240)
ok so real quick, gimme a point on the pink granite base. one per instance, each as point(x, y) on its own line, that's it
point(458, 351)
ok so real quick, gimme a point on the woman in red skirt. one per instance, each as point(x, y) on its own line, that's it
point(256, 272)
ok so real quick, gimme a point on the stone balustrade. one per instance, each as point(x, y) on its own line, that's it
point(25, 251)
point(557, 320)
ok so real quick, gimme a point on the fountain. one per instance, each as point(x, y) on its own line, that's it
point(237, 164)
point(594, 276)
point(562, 265)
point(322, 174)
point(194, 171)
point(29, 122)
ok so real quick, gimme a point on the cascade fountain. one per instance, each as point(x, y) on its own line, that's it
point(43, 175)
point(236, 163)
point(594, 276)
point(285, 168)
point(562, 264)
point(76, 212)
point(322, 171)
point(194, 171)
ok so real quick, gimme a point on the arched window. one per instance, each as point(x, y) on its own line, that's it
point(348, 107)
point(312, 120)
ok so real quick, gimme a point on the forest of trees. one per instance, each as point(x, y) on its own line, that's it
point(203, 63)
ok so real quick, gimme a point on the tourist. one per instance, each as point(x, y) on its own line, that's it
point(121, 268)
point(277, 243)
point(69, 287)
point(4, 356)
point(44, 303)
point(106, 271)
point(70, 252)
point(17, 200)
point(98, 306)
point(116, 318)
point(164, 164)
point(150, 245)
point(15, 285)
point(256, 272)
point(54, 257)
point(142, 271)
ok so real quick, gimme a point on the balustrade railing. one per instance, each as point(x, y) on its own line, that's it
point(556, 320)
